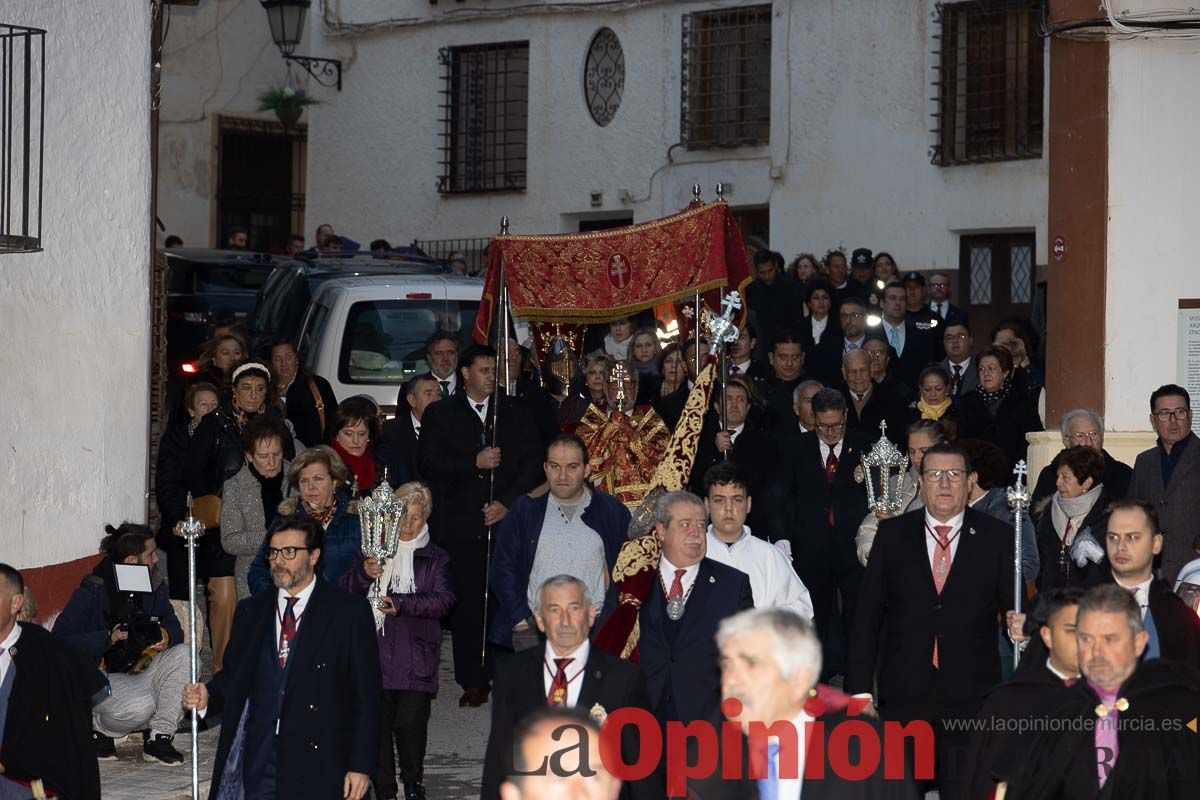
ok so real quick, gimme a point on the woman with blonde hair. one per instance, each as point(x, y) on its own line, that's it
point(416, 594)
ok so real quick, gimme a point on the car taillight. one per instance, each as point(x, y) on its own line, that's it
point(419, 296)
point(188, 368)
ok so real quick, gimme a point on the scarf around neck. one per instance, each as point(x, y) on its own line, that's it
point(362, 466)
point(398, 575)
point(271, 490)
point(998, 396)
point(1074, 508)
point(933, 412)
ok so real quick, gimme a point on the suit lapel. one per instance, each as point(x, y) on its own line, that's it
point(704, 585)
point(964, 556)
point(849, 460)
point(593, 681)
point(314, 622)
point(1187, 462)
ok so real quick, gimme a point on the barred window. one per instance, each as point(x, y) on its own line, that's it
point(990, 82)
point(726, 78)
point(485, 114)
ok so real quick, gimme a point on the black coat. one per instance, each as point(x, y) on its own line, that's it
point(170, 481)
point(1011, 710)
point(541, 409)
point(520, 689)
point(1116, 478)
point(688, 671)
point(755, 452)
point(1159, 756)
point(1050, 548)
point(451, 437)
point(824, 361)
point(778, 308)
point(1016, 416)
point(397, 449)
point(881, 406)
point(329, 723)
point(900, 614)
point(1177, 625)
point(780, 404)
point(215, 453)
point(918, 349)
point(302, 409)
point(49, 717)
point(670, 406)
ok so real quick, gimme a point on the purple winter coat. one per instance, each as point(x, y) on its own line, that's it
point(411, 642)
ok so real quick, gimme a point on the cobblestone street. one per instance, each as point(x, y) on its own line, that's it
point(457, 738)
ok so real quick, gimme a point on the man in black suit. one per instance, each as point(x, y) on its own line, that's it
point(441, 353)
point(926, 625)
point(960, 365)
point(679, 618)
point(770, 660)
point(819, 502)
point(309, 401)
point(787, 372)
point(910, 339)
point(398, 442)
point(568, 673)
point(939, 301)
point(776, 300)
point(527, 391)
point(826, 357)
point(741, 359)
point(300, 684)
point(869, 403)
point(477, 469)
point(742, 442)
point(883, 371)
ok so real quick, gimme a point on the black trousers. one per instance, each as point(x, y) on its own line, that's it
point(404, 723)
point(468, 570)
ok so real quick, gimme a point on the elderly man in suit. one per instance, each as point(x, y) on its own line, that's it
point(1084, 427)
point(959, 363)
point(398, 442)
point(869, 403)
point(926, 625)
point(566, 673)
point(1168, 475)
point(679, 618)
point(820, 500)
point(300, 685)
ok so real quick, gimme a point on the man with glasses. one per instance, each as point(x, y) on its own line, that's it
point(1168, 475)
point(827, 356)
point(819, 500)
point(957, 343)
point(938, 580)
point(1082, 426)
point(939, 301)
point(300, 685)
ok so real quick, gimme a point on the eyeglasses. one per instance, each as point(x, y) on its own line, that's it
point(956, 337)
point(288, 553)
point(852, 315)
point(951, 475)
point(937, 285)
point(1087, 436)
point(1172, 413)
point(836, 426)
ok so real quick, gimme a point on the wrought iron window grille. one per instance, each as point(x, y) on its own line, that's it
point(604, 76)
point(485, 116)
point(990, 82)
point(725, 82)
point(22, 137)
point(474, 249)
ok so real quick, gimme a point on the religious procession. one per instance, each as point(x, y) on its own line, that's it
point(599, 495)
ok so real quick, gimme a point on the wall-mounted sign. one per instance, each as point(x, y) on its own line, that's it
point(1187, 352)
point(1059, 249)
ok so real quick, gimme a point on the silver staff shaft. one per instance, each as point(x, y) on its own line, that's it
point(193, 644)
point(496, 395)
point(724, 393)
point(1018, 580)
point(696, 333)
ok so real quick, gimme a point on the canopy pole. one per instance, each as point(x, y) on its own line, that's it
point(696, 334)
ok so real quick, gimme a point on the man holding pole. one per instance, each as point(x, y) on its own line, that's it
point(477, 469)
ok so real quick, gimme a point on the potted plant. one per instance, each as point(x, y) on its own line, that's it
point(287, 103)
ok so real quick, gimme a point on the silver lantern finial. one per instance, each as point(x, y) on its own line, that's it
point(887, 461)
point(380, 516)
point(721, 329)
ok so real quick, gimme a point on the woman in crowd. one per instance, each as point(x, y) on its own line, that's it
point(1073, 522)
point(417, 594)
point(170, 480)
point(619, 337)
point(251, 497)
point(922, 435)
point(644, 354)
point(805, 268)
point(355, 429)
point(589, 391)
point(322, 482)
point(821, 325)
point(214, 456)
point(995, 412)
point(935, 402)
point(308, 400)
point(673, 391)
point(218, 357)
point(989, 494)
point(885, 270)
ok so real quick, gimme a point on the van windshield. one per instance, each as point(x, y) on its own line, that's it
point(384, 340)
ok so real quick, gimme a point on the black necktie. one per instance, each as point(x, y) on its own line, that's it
point(445, 388)
point(479, 408)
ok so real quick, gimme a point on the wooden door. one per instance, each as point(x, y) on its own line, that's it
point(996, 280)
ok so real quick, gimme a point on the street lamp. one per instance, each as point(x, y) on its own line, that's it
point(286, 18)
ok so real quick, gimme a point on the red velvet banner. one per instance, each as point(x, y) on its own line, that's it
point(606, 275)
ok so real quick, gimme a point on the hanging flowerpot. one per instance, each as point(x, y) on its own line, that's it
point(287, 103)
point(288, 116)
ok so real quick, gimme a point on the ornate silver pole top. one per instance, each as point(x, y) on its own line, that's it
point(1018, 493)
point(721, 329)
point(720, 191)
point(695, 193)
point(190, 528)
point(504, 226)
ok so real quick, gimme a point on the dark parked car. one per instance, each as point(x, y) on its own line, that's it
point(285, 294)
point(206, 288)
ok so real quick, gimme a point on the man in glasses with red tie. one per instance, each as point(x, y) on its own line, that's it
point(938, 581)
point(300, 686)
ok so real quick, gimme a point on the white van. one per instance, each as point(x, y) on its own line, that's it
point(366, 334)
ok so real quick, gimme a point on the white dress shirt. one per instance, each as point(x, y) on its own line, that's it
point(899, 329)
point(818, 327)
point(931, 541)
point(941, 309)
point(773, 580)
point(5, 657)
point(574, 679)
point(837, 451)
point(1056, 673)
point(800, 425)
point(742, 368)
point(735, 432)
point(790, 788)
point(416, 425)
point(482, 414)
point(848, 345)
point(1141, 593)
point(964, 366)
point(298, 609)
point(666, 573)
point(451, 382)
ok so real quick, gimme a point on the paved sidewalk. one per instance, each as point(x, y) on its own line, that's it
point(453, 764)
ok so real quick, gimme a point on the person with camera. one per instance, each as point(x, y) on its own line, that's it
point(134, 636)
